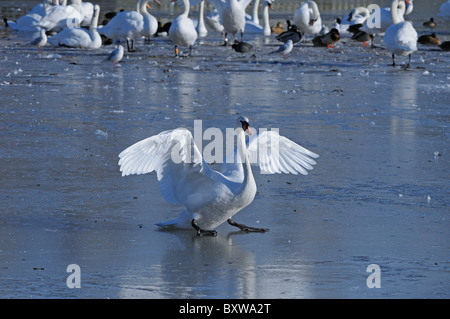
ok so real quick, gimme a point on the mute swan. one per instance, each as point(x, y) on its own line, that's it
point(307, 18)
point(327, 40)
point(128, 25)
point(30, 22)
point(356, 16)
point(59, 17)
point(182, 30)
point(80, 37)
point(201, 28)
point(116, 55)
point(284, 49)
point(253, 27)
point(400, 36)
point(232, 13)
point(444, 10)
point(40, 41)
point(211, 197)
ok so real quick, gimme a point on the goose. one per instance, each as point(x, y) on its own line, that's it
point(430, 23)
point(284, 49)
point(429, 39)
point(292, 33)
point(400, 36)
point(40, 41)
point(232, 13)
point(182, 30)
point(327, 40)
point(59, 17)
point(212, 197)
point(254, 27)
point(444, 10)
point(116, 55)
point(128, 25)
point(307, 18)
point(80, 37)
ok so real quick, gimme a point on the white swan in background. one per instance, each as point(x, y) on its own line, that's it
point(128, 25)
point(400, 36)
point(232, 13)
point(253, 27)
point(213, 20)
point(211, 197)
point(307, 18)
point(444, 10)
point(30, 22)
point(409, 7)
point(182, 30)
point(59, 17)
point(201, 27)
point(80, 37)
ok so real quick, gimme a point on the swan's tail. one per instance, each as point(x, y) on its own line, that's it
point(183, 221)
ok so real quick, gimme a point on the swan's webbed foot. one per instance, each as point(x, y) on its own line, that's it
point(202, 232)
point(247, 228)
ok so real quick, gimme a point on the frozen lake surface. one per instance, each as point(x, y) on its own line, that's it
point(379, 193)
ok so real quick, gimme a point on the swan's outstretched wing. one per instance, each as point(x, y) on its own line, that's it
point(180, 169)
point(274, 153)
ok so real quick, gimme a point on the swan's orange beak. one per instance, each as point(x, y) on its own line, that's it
point(148, 6)
point(408, 2)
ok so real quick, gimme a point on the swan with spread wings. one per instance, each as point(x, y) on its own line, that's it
point(212, 197)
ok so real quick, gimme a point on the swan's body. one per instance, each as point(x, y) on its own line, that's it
point(357, 15)
point(307, 18)
point(128, 25)
point(211, 197)
point(60, 17)
point(30, 22)
point(182, 30)
point(444, 10)
point(400, 36)
point(285, 48)
point(80, 37)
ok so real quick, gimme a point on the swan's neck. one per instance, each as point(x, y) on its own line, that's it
point(94, 21)
point(200, 14)
point(186, 8)
point(242, 148)
point(255, 17)
point(143, 8)
point(315, 10)
point(394, 12)
point(266, 18)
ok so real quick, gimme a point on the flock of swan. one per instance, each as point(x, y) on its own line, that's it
point(77, 25)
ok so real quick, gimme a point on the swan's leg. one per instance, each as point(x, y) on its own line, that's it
point(246, 228)
point(393, 60)
point(202, 232)
point(409, 61)
point(128, 45)
point(190, 50)
point(176, 51)
point(225, 38)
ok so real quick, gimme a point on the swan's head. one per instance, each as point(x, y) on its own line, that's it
point(244, 123)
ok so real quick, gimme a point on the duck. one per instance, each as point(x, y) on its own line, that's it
point(284, 49)
point(241, 47)
point(308, 19)
point(400, 36)
point(129, 25)
point(278, 28)
point(430, 23)
point(327, 40)
point(429, 39)
point(292, 33)
point(363, 37)
point(445, 46)
point(80, 37)
point(116, 55)
point(182, 31)
point(212, 197)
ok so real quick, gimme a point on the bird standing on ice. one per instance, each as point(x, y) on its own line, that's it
point(285, 48)
point(212, 197)
point(40, 41)
point(116, 55)
point(400, 36)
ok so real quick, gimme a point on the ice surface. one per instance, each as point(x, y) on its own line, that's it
point(379, 193)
